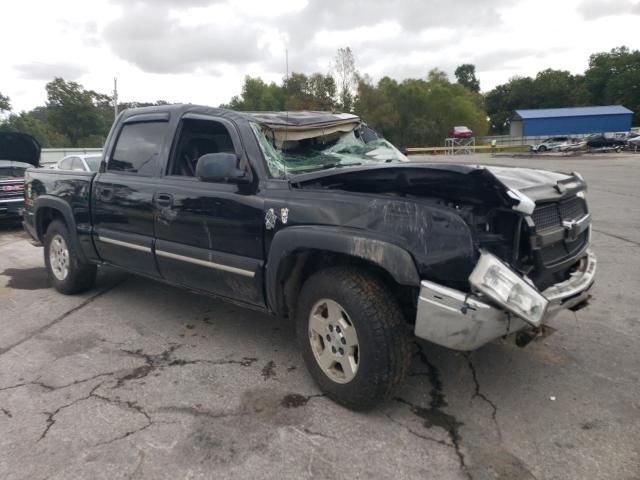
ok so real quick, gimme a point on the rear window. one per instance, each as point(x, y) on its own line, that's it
point(138, 148)
point(65, 164)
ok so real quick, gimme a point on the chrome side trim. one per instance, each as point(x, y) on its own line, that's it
point(11, 200)
point(120, 243)
point(204, 263)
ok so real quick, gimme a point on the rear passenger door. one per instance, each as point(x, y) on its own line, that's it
point(209, 235)
point(123, 195)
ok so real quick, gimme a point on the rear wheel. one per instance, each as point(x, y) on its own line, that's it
point(353, 336)
point(66, 272)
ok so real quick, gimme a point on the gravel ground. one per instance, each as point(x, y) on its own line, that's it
point(140, 380)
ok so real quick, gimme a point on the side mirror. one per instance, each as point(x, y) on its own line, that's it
point(221, 168)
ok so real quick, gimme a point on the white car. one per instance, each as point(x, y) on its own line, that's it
point(552, 143)
point(83, 163)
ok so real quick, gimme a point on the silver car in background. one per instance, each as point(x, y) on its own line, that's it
point(83, 163)
point(550, 144)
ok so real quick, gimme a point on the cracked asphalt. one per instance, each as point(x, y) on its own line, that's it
point(140, 380)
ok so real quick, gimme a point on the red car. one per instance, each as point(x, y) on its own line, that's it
point(460, 132)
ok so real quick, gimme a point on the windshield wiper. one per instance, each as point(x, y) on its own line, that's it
point(326, 166)
point(323, 166)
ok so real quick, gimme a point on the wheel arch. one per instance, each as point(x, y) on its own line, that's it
point(298, 252)
point(47, 209)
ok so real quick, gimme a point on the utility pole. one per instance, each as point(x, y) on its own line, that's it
point(115, 97)
point(286, 53)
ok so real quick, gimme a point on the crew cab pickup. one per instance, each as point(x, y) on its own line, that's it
point(310, 216)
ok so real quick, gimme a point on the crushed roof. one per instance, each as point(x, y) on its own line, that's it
point(301, 118)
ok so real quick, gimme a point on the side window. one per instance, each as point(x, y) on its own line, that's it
point(197, 138)
point(76, 164)
point(65, 164)
point(138, 148)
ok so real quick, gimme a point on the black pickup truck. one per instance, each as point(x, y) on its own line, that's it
point(314, 217)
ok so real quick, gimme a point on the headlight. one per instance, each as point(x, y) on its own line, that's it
point(504, 286)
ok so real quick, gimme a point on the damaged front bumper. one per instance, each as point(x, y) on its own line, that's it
point(463, 321)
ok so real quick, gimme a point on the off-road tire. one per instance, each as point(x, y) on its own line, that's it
point(80, 276)
point(384, 353)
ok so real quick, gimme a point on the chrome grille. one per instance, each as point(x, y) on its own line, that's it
point(573, 209)
point(547, 216)
point(548, 219)
point(551, 215)
point(12, 189)
point(561, 250)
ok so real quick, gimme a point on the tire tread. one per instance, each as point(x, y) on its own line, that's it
point(388, 333)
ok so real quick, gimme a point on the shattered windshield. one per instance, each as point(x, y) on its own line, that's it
point(333, 150)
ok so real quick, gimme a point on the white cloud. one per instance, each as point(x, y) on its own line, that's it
point(47, 71)
point(595, 9)
point(200, 50)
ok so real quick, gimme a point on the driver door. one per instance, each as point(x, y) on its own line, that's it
point(208, 235)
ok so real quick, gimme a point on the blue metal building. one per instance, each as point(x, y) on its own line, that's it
point(570, 121)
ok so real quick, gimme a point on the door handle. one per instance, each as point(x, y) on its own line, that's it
point(164, 200)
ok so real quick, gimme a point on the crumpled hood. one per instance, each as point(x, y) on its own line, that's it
point(539, 185)
point(19, 147)
point(518, 188)
point(524, 179)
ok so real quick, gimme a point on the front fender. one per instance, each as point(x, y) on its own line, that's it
point(392, 258)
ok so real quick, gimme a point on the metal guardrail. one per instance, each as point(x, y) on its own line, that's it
point(481, 148)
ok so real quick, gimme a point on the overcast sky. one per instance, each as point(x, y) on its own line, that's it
point(199, 51)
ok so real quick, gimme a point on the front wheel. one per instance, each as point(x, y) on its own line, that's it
point(353, 336)
point(66, 272)
point(542, 149)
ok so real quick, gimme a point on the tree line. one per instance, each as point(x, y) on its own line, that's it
point(71, 117)
point(411, 112)
point(612, 78)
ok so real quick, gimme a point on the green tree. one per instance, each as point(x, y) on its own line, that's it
point(297, 92)
point(549, 89)
point(419, 112)
point(5, 103)
point(375, 103)
point(71, 112)
point(614, 78)
point(323, 91)
point(31, 124)
point(558, 88)
point(346, 78)
point(466, 75)
point(258, 96)
point(501, 102)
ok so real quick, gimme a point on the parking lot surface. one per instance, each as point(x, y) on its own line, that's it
point(136, 379)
